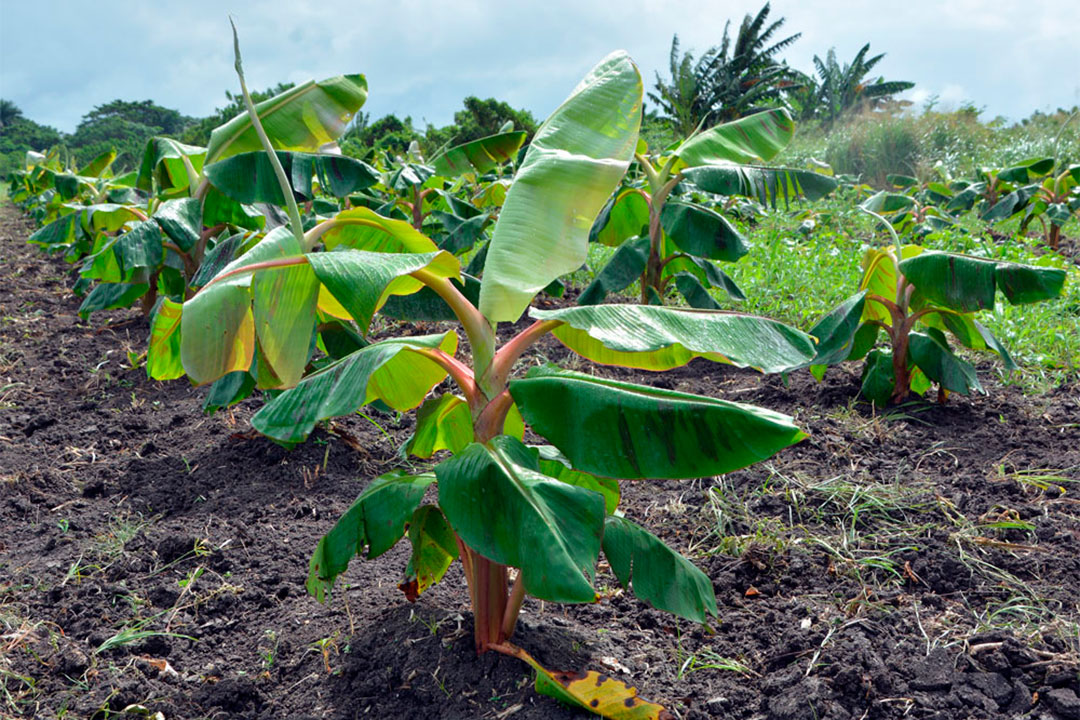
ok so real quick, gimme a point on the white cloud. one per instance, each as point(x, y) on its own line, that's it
point(422, 57)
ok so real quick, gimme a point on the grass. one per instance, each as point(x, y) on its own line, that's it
point(797, 278)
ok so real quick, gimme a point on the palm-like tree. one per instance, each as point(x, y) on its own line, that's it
point(729, 81)
point(843, 89)
point(9, 111)
point(746, 77)
point(681, 101)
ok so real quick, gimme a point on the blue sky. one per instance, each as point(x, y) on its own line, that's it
point(59, 58)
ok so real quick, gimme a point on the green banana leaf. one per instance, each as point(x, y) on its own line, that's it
point(374, 524)
point(964, 283)
point(835, 332)
point(661, 338)
point(479, 156)
point(878, 377)
point(111, 297)
point(931, 353)
point(249, 177)
point(621, 270)
point(303, 118)
point(707, 274)
point(658, 575)
point(502, 506)
point(554, 464)
point(764, 184)
point(754, 138)
point(694, 292)
point(181, 221)
point(622, 430)
point(573, 164)
point(702, 232)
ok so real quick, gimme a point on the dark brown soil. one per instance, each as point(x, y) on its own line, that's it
point(921, 564)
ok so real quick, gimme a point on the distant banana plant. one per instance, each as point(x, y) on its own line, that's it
point(661, 239)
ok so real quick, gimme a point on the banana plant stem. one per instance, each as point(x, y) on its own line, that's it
point(513, 606)
point(509, 353)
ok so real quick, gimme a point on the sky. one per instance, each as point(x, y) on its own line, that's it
point(59, 58)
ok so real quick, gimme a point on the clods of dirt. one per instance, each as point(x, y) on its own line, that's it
point(921, 563)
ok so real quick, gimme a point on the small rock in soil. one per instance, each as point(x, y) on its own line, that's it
point(934, 673)
point(804, 701)
point(1063, 702)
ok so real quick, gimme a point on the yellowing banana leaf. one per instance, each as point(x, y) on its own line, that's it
point(434, 548)
point(879, 278)
point(361, 281)
point(548, 529)
point(442, 423)
point(163, 352)
point(283, 311)
point(573, 164)
point(388, 371)
point(598, 693)
point(98, 166)
point(361, 228)
point(624, 216)
point(479, 156)
point(217, 325)
point(303, 118)
point(164, 161)
point(623, 430)
point(660, 338)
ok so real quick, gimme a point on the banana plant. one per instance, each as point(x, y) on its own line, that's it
point(999, 193)
point(662, 238)
point(918, 298)
point(523, 520)
point(909, 213)
point(1053, 202)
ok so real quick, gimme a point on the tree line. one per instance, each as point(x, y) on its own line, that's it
point(742, 75)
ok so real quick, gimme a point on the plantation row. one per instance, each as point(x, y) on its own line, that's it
point(263, 259)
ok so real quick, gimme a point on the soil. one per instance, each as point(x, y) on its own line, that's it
point(923, 563)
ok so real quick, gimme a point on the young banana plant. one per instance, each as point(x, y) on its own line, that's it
point(662, 237)
point(916, 296)
point(523, 520)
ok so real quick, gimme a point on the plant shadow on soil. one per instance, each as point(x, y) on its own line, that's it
point(923, 563)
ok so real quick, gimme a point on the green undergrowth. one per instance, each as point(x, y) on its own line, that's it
point(797, 277)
